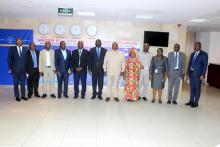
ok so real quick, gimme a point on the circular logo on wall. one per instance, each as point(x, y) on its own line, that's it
point(10, 40)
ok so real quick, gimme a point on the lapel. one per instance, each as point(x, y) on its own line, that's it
point(95, 52)
point(198, 56)
point(62, 55)
point(82, 54)
point(101, 52)
point(19, 55)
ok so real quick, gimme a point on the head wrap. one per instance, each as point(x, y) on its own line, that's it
point(133, 50)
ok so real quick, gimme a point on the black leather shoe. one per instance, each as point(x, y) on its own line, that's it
point(59, 96)
point(100, 97)
point(82, 96)
point(160, 101)
point(29, 96)
point(18, 99)
point(139, 98)
point(93, 97)
point(107, 99)
point(189, 104)
point(153, 101)
point(24, 98)
point(75, 96)
point(116, 99)
point(168, 102)
point(44, 95)
point(174, 102)
point(144, 98)
point(66, 96)
point(53, 95)
point(194, 105)
point(37, 95)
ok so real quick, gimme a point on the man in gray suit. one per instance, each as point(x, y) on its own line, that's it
point(176, 70)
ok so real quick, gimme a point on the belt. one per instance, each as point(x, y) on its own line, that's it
point(175, 69)
point(48, 66)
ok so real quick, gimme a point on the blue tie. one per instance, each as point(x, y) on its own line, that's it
point(194, 60)
point(98, 52)
point(34, 58)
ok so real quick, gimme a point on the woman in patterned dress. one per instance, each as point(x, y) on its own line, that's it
point(131, 76)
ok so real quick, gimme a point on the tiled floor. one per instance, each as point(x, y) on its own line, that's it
point(94, 123)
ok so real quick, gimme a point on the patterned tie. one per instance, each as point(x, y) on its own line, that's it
point(194, 60)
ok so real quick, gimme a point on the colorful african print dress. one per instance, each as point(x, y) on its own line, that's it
point(132, 68)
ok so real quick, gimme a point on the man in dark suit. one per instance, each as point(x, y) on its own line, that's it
point(80, 62)
point(196, 71)
point(63, 66)
point(33, 71)
point(97, 55)
point(17, 65)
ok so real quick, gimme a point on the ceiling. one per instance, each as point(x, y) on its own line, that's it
point(163, 11)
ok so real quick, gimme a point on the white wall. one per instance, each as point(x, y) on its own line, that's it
point(211, 44)
point(110, 30)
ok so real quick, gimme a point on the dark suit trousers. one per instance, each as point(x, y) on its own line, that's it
point(19, 78)
point(33, 82)
point(63, 78)
point(195, 87)
point(80, 76)
point(97, 78)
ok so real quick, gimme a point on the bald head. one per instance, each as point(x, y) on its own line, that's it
point(176, 47)
point(19, 42)
point(47, 45)
point(146, 47)
point(115, 46)
point(98, 43)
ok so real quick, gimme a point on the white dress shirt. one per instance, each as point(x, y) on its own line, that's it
point(145, 59)
point(48, 58)
point(176, 55)
point(64, 53)
point(19, 50)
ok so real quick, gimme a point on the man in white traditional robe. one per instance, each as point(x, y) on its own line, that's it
point(145, 58)
point(114, 64)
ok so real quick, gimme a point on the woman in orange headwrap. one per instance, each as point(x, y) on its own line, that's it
point(131, 76)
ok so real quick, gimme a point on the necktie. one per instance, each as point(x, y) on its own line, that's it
point(98, 52)
point(176, 60)
point(20, 51)
point(34, 58)
point(194, 59)
point(80, 53)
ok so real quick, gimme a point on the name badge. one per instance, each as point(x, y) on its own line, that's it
point(156, 71)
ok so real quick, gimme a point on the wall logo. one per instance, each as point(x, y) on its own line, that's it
point(10, 40)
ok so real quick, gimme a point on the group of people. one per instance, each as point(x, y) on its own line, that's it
point(137, 70)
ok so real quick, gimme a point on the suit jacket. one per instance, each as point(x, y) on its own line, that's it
point(172, 63)
point(84, 60)
point(201, 63)
point(42, 60)
point(30, 64)
point(96, 64)
point(18, 64)
point(62, 65)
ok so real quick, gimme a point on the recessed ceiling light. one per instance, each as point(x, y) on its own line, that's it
point(85, 13)
point(199, 20)
point(142, 16)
